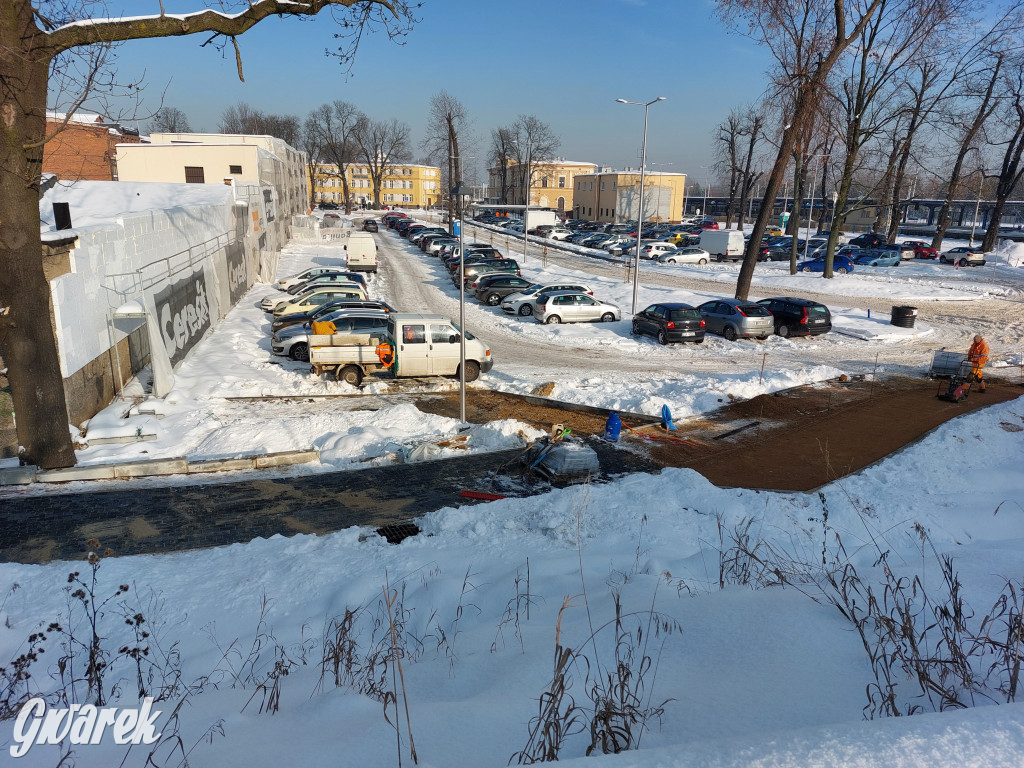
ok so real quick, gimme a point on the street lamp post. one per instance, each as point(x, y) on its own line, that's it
point(457, 190)
point(640, 224)
point(707, 181)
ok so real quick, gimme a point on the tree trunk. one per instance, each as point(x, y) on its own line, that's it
point(27, 338)
point(793, 225)
point(1010, 173)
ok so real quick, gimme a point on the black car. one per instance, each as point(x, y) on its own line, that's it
point(670, 322)
point(297, 318)
point(328, 206)
point(798, 317)
point(370, 225)
point(491, 289)
point(869, 240)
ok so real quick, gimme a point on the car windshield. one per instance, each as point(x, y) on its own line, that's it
point(469, 336)
point(684, 314)
point(754, 310)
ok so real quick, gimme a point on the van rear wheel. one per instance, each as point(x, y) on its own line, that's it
point(350, 374)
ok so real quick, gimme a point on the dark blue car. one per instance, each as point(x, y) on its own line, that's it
point(840, 265)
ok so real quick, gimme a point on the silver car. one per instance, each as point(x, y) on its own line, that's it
point(358, 327)
point(736, 318)
point(570, 307)
point(524, 303)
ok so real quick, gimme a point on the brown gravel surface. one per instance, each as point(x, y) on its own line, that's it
point(795, 440)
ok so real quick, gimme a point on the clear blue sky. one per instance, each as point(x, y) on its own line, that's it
point(565, 62)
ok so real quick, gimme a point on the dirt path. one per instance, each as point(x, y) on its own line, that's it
point(795, 440)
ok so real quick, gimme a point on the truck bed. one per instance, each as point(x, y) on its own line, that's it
point(334, 350)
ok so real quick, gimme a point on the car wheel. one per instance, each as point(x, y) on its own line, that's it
point(671, 261)
point(805, 269)
point(636, 328)
point(493, 300)
point(702, 261)
point(662, 338)
point(472, 370)
point(896, 264)
point(783, 331)
point(962, 263)
point(841, 271)
point(607, 317)
point(721, 257)
point(299, 352)
point(553, 320)
point(525, 310)
point(350, 374)
point(729, 333)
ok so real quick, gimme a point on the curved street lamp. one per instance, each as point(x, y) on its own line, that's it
point(640, 223)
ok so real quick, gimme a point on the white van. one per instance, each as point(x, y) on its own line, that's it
point(362, 252)
point(725, 244)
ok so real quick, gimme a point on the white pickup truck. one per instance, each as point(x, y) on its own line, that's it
point(419, 345)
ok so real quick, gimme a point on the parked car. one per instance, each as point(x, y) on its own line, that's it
point(689, 255)
point(370, 225)
point(328, 206)
point(270, 303)
point(798, 317)
point(840, 265)
point(288, 282)
point(568, 307)
point(656, 250)
point(964, 256)
point(507, 266)
point(559, 233)
point(736, 318)
point(332, 278)
point(671, 322)
point(879, 258)
point(922, 250)
point(491, 289)
point(906, 251)
point(419, 234)
point(298, 318)
point(435, 244)
point(524, 303)
point(319, 297)
point(868, 240)
point(353, 326)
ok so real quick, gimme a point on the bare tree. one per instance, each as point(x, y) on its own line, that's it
point(806, 38)
point(37, 39)
point(332, 130)
point(531, 140)
point(502, 140)
point(1011, 169)
point(382, 144)
point(891, 40)
point(727, 148)
point(753, 132)
point(246, 120)
point(446, 126)
point(170, 120)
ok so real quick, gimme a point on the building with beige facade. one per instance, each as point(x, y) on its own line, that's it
point(613, 196)
point(552, 183)
point(407, 185)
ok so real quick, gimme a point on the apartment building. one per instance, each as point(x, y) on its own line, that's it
point(406, 185)
point(552, 183)
point(613, 196)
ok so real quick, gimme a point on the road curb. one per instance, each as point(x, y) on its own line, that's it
point(153, 468)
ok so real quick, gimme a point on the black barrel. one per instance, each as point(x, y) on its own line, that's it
point(903, 317)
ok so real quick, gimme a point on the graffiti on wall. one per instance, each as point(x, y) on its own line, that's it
point(184, 315)
point(237, 273)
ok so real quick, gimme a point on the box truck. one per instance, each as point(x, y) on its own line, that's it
point(723, 244)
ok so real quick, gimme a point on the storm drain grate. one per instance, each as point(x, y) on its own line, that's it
point(397, 532)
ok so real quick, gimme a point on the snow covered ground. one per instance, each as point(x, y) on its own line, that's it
point(750, 674)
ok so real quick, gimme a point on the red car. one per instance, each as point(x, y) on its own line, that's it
point(922, 250)
point(709, 224)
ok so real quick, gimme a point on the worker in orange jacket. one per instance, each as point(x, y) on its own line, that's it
point(977, 356)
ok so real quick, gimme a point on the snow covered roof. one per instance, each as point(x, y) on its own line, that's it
point(98, 203)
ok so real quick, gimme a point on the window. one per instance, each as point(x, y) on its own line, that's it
point(544, 181)
point(602, 186)
point(414, 334)
point(441, 334)
point(194, 174)
point(235, 169)
point(561, 182)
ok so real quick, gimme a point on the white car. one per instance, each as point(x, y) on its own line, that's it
point(654, 250)
point(572, 307)
point(524, 303)
point(559, 233)
point(689, 255)
point(515, 226)
point(288, 282)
